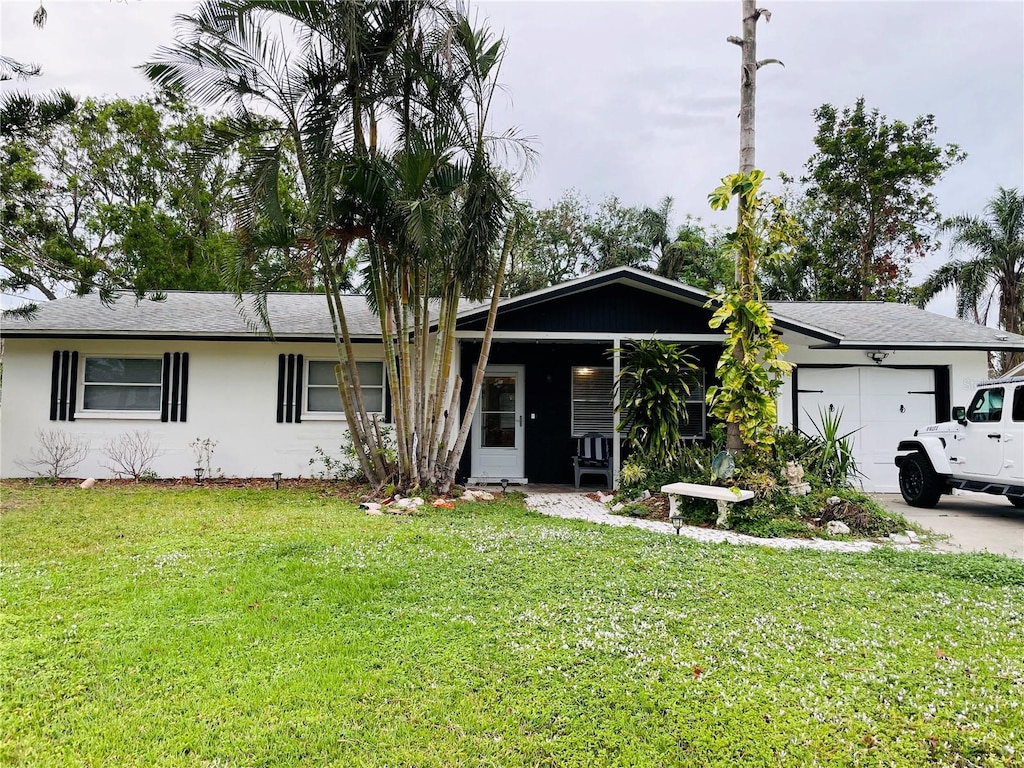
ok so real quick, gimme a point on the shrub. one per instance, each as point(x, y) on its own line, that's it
point(653, 385)
point(57, 454)
point(131, 455)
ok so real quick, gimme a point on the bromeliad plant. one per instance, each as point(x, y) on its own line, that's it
point(653, 386)
point(751, 368)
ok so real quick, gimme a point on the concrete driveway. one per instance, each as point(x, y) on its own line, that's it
point(974, 522)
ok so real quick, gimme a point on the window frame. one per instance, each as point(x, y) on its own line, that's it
point(83, 412)
point(309, 414)
point(573, 399)
point(696, 397)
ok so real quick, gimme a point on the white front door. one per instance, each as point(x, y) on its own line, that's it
point(498, 433)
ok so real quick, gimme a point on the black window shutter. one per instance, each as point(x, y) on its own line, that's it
point(175, 384)
point(73, 387)
point(289, 389)
point(183, 404)
point(63, 385)
point(280, 387)
point(298, 389)
point(65, 365)
point(165, 387)
point(55, 385)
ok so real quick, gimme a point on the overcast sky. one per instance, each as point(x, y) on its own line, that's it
point(640, 99)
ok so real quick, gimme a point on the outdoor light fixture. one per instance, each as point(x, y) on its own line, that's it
point(277, 480)
point(877, 355)
point(677, 521)
point(504, 485)
point(199, 475)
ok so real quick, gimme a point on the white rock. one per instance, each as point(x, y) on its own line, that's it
point(88, 483)
point(485, 495)
point(895, 538)
point(912, 536)
point(604, 498)
point(618, 507)
point(837, 528)
point(416, 501)
point(833, 500)
point(645, 495)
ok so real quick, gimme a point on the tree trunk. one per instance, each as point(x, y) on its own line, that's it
point(748, 93)
point(447, 475)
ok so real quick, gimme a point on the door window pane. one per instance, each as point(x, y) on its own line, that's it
point(499, 430)
point(498, 412)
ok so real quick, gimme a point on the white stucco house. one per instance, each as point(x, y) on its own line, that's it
point(191, 367)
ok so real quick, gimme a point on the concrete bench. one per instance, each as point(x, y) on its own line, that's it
point(724, 497)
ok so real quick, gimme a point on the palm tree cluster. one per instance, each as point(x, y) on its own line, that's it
point(382, 109)
point(996, 271)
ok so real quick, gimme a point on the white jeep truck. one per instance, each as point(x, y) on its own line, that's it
point(981, 449)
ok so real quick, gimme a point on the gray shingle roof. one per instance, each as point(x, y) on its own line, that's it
point(875, 323)
point(193, 314)
point(294, 315)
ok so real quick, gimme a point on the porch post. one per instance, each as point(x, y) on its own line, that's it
point(616, 448)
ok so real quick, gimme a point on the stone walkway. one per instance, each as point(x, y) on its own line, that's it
point(578, 506)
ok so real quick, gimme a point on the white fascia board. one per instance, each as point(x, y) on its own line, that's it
point(1001, 346)
point(701, 338)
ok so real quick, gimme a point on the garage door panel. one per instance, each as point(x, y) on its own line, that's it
point(883, 405)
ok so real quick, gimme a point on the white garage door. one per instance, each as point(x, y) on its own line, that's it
point(884, 405)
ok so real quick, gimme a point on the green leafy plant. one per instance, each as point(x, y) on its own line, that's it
point(653, 385)
point(751, 368)
point(832, 458)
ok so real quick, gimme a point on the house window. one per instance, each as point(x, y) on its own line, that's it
point(322, 386)
point(122, 384)
point(592, 408)
point(595, 388)
point(695, 425)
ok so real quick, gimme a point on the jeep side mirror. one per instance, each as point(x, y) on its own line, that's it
point(960, 414)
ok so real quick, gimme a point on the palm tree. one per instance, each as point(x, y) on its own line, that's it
point(996, 273)
point(382, 106)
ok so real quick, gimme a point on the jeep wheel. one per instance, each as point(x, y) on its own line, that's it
point(1017, 501)
point(918, 482)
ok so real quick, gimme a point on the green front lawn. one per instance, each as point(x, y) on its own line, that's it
point(216, 628)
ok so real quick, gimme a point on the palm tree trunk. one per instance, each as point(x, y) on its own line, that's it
point(455, 454)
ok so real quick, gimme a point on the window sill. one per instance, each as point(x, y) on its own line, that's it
point(111, 415)
point(333, 416)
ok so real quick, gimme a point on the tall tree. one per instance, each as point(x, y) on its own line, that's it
point(386, 108)
point(100, 195)
point(996, 270)
point(870, 210)
point(552, 245)
point(744, 186)
point(697, 257)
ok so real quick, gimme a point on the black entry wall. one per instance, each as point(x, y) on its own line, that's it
point(548, 384)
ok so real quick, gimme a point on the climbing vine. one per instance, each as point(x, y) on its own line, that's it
point(751, 368)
